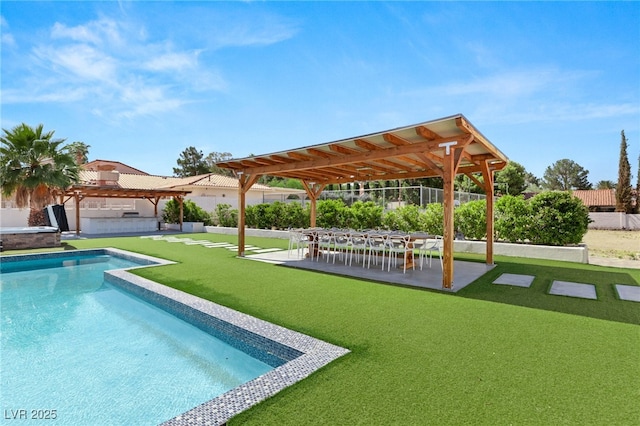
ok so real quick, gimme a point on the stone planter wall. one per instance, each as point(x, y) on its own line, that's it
point(23, 241)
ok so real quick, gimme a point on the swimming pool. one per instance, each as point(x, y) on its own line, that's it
point(131, 377)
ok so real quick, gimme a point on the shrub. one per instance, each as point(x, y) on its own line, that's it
point(471, 219)
point(366, 215)
point(190, 210)
point(512, 219)
point(227, 216)
point(251, 216)
point(405, 218)
point(276, 213)
point(330, 213)
point(296, 216)
point(558, 218)
point(432, 219)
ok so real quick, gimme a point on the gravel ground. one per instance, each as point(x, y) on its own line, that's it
point(613, 244)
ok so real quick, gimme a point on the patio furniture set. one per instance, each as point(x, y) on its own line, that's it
point(380, 247)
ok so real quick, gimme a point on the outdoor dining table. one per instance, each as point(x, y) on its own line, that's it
point(409, 257)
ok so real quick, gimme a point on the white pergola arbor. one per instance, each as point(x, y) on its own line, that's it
point(441, 148)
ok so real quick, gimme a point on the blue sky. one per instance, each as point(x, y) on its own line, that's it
point(141, 81)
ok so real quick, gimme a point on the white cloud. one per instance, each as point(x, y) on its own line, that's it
point(172, 61)
point(103, 31)
point(81, 60)
point(6, 38)
point(515, 84)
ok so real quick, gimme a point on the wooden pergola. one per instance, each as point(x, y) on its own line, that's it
point(80, 192)
point(441, 148)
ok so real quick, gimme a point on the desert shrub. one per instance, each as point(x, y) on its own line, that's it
point(558, 218)
point(190, 210)
point(471, 219)
point(512, 219)
point(432, 219)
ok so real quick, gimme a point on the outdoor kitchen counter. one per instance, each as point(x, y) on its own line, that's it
point(117, 225)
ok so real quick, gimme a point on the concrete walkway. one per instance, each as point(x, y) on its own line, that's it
point(464, 272)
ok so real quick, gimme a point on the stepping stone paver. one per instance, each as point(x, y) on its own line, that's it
point(267, 250)
point(515, 280)
point(628, 292)
point(566, 288)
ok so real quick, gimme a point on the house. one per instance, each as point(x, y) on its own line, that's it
point(598, 200)
point(207, 191)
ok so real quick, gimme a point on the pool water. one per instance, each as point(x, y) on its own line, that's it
point(98, 355)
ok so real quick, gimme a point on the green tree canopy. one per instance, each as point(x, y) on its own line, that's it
point(80, 151)
point(191, 163)
point(213, 157)
point(513, 178)
point(623, 188)
point(605, 184)
point(566, 175)
point(33, 167)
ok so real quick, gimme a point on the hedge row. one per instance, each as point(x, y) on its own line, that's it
point(549, 218)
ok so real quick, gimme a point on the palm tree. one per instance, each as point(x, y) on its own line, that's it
point(34, 168)
point(80, 152)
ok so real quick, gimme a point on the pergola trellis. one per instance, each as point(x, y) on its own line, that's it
point(441, 148)
point(80, 192)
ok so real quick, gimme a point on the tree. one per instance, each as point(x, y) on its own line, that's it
point(191, 163)
point(213, 157)
point(637, 208)
point(605, 184)
point(80, 152)
point(33, 167)
point(512, 178)
point(566, 175)
point(623, 189)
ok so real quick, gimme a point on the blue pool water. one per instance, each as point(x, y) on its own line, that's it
point(98, 355)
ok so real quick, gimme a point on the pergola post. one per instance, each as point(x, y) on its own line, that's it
point(181, 201)
point(448, 227)
point(487, 174)
point(245, 182)
point(313, 191)
point(77, 199)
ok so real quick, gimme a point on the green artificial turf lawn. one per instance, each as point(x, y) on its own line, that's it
point(489, 354)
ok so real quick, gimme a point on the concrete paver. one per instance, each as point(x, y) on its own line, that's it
point(515, 280)
point(566, 288)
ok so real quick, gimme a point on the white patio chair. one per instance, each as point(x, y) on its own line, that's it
point(324, 240)
point(359, 245)
point(428, 247)
point(400, 246)
point(300, 239)
point(341, 245)
point(377, 245)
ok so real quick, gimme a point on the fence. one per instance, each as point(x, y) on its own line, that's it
point(614, 220)
point(394, 197)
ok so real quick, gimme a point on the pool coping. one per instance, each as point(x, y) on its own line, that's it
point(315, 353)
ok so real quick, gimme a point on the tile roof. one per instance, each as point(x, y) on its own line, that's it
point(597, 197)
point(137, 181)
